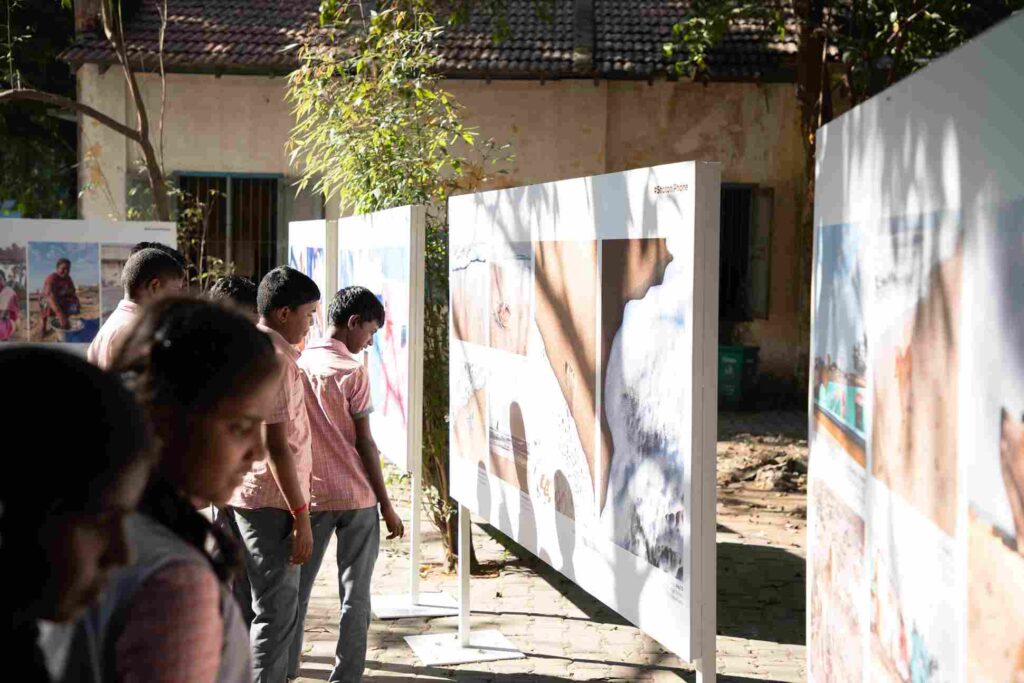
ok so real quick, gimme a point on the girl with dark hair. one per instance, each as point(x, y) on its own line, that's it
point(205, 377)
point(63, 506)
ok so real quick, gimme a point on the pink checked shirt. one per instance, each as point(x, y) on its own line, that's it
point(337, 394)
point(259, 489)
point(108, 340)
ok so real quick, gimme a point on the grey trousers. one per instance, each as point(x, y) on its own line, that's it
point(274, 582)
point(358, 533)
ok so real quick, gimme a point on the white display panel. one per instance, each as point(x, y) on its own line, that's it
point(384, 252)
point(583, 374)
point(309, 252)
point(30, 251)
point(916, 515)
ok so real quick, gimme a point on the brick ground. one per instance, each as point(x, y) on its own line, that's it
point(569, 636)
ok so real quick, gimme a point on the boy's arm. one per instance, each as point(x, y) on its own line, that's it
point(370, 457)
point(282, 467)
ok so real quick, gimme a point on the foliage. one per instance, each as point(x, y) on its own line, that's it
point(880, 42)
point(193, 219)
point(16, 89)
point(876, 42)
point(204, 269)
point(374, 129)
point(709, 20)
point(37, 148)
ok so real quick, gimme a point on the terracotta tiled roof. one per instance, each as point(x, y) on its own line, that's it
point(630, 35)
point(209, 35)
point(260, 36)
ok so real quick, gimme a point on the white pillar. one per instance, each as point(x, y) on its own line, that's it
point(102, 153)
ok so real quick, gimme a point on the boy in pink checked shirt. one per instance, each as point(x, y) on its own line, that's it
point(147, 275)
point(347, 483)
point(270, 510)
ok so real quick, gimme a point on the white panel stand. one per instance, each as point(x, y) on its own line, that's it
point(463, 646)
point(706, 553)
point(414, 604)
point(706, 663)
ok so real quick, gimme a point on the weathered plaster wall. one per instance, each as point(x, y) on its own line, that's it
point(559, 129)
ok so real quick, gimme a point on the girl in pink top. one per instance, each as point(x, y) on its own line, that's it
point(206, 377)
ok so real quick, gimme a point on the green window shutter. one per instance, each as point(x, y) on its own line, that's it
point(759, 278)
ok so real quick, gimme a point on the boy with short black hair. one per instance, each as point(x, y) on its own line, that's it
point(170, 251)
point(240, 291)
point(347, 483)
point(271, 507)
point(147, 275)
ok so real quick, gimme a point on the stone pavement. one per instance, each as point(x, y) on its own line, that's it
point(569, 636)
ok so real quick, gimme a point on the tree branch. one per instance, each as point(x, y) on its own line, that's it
point(30, 95)
point(162, 9)
point(113, 27)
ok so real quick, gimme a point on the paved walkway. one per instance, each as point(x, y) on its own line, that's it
point(569, 636)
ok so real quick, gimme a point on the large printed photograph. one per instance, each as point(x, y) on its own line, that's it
point(468, 282)
point(645, 451)
point(837, 587)
point(995, 428)
point(914, 336)
point(385, 271)
point(839, 347)
point(915, 611)
point(112, 260)
point(13, 292)
point(310, 261)
point(64, 291)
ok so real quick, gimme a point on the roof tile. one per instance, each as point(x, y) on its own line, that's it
point(261, 35)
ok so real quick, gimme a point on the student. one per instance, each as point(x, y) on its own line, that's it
point(147, 275)
point(271, 508)
point(60, 298)
point(10, 310)
point(206, 378)
point(60, 539)
point(347, 483)
point(170, 251)
point(239, 291)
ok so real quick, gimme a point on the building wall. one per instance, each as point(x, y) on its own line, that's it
point(754, 131)
point(564, 129)
point(557, 130)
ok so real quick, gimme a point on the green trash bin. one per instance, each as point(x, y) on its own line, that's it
point(737, 373)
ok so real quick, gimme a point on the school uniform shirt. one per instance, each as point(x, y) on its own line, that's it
point(107, 342)
point(259, 489)
point(165, 618)
point(337, 394)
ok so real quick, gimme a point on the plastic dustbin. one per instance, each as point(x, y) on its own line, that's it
point(737, 374)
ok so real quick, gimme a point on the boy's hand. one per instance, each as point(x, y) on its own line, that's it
point(302, 539)
point(393, 522)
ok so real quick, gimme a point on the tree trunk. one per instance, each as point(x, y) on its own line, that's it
point(811, 86)
point(113, 27)
point(451, 546)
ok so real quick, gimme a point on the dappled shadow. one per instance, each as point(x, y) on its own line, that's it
point(590, 606)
